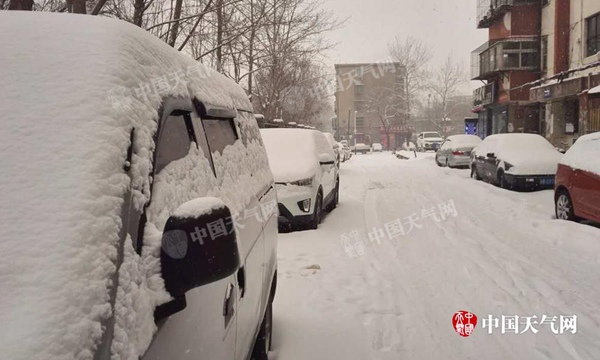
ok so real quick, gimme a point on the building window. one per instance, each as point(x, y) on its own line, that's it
point(359, 105)
point(360, 122)
point(593, 34)
point(544, 53)
point(359, 90)
point(545, 2)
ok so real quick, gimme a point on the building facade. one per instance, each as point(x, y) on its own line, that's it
point(369, 104)
point(568, 93)
point(505, 63)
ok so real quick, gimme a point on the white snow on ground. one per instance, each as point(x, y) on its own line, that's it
point(503, 254)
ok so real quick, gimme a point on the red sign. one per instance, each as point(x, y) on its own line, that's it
point(464, 322)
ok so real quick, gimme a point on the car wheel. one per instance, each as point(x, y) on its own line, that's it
point(263, 341)
point(336, 197)
point(502, 181)
point(474, 174)
point(564, 207)
point(316, 219)
point(437, 161)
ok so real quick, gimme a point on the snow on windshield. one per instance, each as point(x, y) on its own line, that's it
point(292, 153)
point(432, 135)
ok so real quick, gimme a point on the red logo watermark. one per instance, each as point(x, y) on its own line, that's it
point(464, 322)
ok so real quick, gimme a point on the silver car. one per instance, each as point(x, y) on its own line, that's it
point(456, 150)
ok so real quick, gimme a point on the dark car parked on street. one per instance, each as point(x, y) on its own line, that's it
point(515, 161)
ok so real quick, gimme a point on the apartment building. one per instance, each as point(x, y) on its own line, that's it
point(369, 104)
point(568, 93)
point(505, 64)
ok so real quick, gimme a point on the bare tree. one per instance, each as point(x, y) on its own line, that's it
point(413, 56)
point(388, 105)
point(445, 86)
point(20, 5)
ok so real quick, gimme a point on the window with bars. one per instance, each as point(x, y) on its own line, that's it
point(593, 35)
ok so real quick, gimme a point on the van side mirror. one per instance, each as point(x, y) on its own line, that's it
point(326, 159)
point(199, 247)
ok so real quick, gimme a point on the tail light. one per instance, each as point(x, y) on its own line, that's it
point(458, 153)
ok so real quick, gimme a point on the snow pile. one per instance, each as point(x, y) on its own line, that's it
point(292, 153)
point(584, 154)
point(64, 142)
point(529, 154)
point(198, 207)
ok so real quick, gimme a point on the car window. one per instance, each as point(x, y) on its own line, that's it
point(219, 133)
point(174, 141)
point(446, 145)
point(201, 140)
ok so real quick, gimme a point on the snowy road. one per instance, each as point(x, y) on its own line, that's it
point(502, 254)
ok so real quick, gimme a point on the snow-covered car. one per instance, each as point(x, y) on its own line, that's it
point(577, 190)
point(515, 161)
point(361, 148)
point(429, 140)
point(133, 227)
point(377, 147)
point(306, 177)
point(456, 150)
point(346, 151)
point(336, 147)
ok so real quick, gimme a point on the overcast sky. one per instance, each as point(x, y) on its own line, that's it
point(446, 26)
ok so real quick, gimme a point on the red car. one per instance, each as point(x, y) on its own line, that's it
point(577, 189)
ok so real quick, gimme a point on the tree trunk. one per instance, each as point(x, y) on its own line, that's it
point(138, 12)
point(79, 7)
point(26, 5)
point(251, 50)
point(175, 27)
point(219, 35)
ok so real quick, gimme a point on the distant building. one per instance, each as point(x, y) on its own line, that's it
point(354, 121)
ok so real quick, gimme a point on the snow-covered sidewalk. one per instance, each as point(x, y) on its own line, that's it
point(501, 253)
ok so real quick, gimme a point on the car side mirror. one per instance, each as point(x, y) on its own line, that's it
point(326, 159)
point(491, 155)
point(199, 247)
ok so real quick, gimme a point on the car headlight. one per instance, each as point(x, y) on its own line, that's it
point(304, 205)
point(303, 182)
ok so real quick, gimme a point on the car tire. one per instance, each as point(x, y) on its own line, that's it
point(316, 219)
point(264, 338)
point(474, 174)
point(437, 161)
point(336, 196)
point(563, 206)
point(502, 181)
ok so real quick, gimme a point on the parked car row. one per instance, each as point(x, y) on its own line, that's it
point(530, 162)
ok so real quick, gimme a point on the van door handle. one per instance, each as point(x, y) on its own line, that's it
point(228, 298)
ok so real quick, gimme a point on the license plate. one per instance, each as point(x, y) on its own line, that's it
point(547, 181)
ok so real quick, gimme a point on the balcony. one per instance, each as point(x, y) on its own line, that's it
point(519, 54)
point(489, 11)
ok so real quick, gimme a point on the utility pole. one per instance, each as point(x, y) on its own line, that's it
point(349, 119)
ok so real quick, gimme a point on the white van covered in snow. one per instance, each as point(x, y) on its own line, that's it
point(138, 214)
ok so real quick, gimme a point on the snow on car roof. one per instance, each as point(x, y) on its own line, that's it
point(584, 154)
point(292, 153)
point(464, 140)
point(67, 110)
